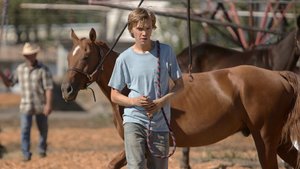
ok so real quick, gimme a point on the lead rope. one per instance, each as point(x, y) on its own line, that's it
point(190, 41)
point(158, 92)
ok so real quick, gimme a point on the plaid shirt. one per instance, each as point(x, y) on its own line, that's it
point(33, 84)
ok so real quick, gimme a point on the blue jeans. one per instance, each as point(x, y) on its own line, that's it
point(136, 150)
point(26, 123)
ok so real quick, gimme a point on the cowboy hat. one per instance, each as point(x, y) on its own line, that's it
point(30, 49)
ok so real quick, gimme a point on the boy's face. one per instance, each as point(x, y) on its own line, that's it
point(142, 32)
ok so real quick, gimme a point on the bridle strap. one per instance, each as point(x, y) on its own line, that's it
point(87, 75)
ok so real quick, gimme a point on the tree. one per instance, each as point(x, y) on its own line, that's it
point(27, 22)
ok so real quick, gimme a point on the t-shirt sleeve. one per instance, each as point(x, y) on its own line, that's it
point(174, 70)
point(117, 80)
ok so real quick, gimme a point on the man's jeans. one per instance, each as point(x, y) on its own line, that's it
point(136, 147)
point(26, 123)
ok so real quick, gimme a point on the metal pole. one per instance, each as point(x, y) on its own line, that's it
point(205, 26)
point(193, 18)
point(263, 23)
point(190, 38)
point(240, 32)
point(251, 23)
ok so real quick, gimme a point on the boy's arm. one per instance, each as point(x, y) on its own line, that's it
point(159, 103)
point(122, 100)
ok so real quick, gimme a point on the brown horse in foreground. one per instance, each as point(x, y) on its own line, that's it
point(214, 106)
point(282, 55)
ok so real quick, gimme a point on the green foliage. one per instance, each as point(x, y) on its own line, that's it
point(26, 21)
point(175, 32)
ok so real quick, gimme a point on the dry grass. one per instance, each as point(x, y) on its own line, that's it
point(9, 100)
point(82, 143)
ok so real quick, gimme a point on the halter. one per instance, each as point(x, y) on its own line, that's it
point(88, 75)
point(158, 92)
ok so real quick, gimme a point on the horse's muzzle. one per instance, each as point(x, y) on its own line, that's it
point(68, 92)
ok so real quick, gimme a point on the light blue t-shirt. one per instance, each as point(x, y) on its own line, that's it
point(139, 73)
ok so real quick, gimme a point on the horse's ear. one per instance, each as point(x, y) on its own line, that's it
point(74, 37)
point(92, 35)
point(298, 21)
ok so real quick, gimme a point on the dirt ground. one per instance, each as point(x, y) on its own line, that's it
point(88, 140)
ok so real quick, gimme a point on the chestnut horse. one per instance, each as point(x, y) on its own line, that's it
point(282, 55)
point(213, 106)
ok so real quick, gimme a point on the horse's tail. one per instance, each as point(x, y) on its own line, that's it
point(291, 129)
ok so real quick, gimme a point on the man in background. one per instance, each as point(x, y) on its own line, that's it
point(36, 86)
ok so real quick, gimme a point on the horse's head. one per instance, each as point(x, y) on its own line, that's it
point(83, 64)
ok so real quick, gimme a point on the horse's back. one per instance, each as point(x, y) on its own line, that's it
point(207, 57)
point(229, 100)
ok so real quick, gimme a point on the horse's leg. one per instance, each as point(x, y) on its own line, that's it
point(288, 153)
point(266, 149)
point(118, 161)
point(184, 163)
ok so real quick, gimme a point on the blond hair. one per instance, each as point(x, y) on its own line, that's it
point(140, 15)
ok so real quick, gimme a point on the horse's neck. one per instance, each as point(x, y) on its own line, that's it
point(105, 74)
point(104, 77)
point(283, 52)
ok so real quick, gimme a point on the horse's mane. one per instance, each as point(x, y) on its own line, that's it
point(205, 47)
point(286, 35)
point(99, 43)
point(103, 44)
